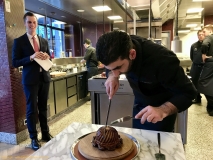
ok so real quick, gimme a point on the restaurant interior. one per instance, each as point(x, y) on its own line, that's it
point(65, 24)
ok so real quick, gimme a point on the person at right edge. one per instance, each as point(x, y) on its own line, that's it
point(205, 82)
point(160, 86)
point(197, 63)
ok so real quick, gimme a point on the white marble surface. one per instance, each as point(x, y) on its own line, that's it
point(59, 147)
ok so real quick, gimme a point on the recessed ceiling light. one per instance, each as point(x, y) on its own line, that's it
point(101, 8)
point(59, 22)
point(197, 28)
point(118, 21)
point(116, 28)
point(183, 31)
point(194, 10)
point(63, 16)
point(114, 17)
point(38, 15)
point(80, 10)
point(191, 25)
point(201, 0)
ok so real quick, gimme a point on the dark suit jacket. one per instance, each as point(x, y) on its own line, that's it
point(22, 50)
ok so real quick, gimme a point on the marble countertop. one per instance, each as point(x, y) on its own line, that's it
point(59, 147)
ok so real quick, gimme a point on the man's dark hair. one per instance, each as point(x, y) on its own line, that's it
point(112, 46)
point(28, 14)
point(87, 41)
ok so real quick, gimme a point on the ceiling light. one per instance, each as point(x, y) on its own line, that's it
point(116, 28)
point(197, 28)
point(194, 10)
point(38, 15)
point(114, 17)
point(63, 16)
point(80, 10)
point(201, 0)
point(101, 8)
point(59, 22)
point(118, 21)
point(191, 25)
point(184, 31)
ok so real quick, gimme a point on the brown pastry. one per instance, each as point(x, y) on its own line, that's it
point(107, 138)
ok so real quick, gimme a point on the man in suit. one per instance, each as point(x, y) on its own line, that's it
point(35, 80)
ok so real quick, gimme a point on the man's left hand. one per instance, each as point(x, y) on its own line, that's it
point(46, 56)
point(151, 114)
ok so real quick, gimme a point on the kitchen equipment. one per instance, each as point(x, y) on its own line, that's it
point(122, 119)
point(159, 156)
point(76, 155)
point(57, 74)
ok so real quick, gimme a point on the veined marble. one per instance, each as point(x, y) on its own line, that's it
point(59, 147)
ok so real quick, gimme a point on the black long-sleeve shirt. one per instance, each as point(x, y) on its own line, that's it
point(90, 57)
point(195, 53)
point(156, 76)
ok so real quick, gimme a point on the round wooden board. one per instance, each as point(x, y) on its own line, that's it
point(89, 152)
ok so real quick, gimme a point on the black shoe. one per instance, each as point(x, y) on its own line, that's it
point(196, 101)
point(210, 111)
point(34, 144)
point(46, 137)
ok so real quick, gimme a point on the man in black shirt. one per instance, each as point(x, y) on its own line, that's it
point(90, 59)
point(197, 62)
point(159, 84)
point(205, 84)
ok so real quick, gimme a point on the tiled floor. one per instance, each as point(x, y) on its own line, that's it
point(199, 140)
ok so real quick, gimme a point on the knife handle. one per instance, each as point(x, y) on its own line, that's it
point(159, 140)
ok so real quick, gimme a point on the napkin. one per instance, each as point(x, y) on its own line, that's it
point(45, 64)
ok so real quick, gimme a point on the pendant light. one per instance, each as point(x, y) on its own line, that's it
point(176, 43)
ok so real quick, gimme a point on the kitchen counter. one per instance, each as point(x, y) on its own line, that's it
point(60, 146)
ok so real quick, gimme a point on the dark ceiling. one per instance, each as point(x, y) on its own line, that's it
point(68, 8)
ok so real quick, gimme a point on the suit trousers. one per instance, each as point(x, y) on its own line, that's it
point(36, 98)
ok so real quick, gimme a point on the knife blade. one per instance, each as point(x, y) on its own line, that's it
point(122, 119)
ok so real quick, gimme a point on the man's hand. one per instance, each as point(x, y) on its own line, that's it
point(204, 57)
point(40, 55)
point(155, 114)
point(83, 61)
point(111, 84)
point(151, 114)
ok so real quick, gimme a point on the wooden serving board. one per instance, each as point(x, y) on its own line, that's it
point(57, 74)
point(87, 150)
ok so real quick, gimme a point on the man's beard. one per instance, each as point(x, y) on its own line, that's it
point(129, 67)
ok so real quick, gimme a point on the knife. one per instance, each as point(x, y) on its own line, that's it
point(122, 119)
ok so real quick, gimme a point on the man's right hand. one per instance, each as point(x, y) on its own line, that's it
point(39, 55)
point(111, 84)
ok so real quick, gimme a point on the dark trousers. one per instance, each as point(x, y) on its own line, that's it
point(92, 71)
point(36, 97)
point(195, 74)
